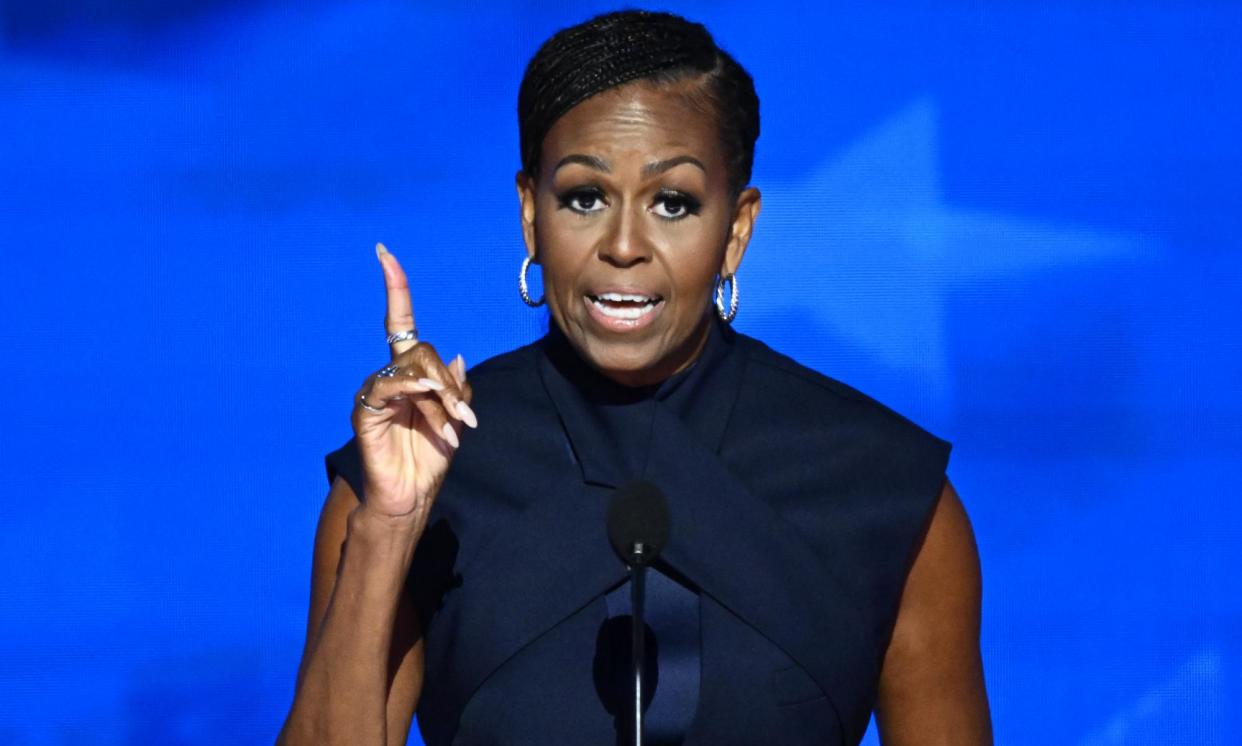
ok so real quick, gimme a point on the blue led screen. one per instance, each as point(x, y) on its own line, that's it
point(1016, 223)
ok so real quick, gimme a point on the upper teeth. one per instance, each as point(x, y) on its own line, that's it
point(624, 297)
point(629, 313)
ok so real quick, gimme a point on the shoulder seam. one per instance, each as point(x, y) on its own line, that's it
point(761, 354)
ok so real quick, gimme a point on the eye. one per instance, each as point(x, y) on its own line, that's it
point(675, 205)
point(583, 201)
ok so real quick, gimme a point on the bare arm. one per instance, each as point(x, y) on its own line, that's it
point(931, 686)
point(361, 670)
point(362, 664)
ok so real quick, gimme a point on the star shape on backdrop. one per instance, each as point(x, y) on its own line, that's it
point(869, 247)
point(1191, 700)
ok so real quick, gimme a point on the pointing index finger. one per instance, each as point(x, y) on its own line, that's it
point(400, 311)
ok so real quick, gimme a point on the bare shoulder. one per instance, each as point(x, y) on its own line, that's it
point(931, 685)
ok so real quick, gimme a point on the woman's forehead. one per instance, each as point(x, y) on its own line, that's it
point(640, 119)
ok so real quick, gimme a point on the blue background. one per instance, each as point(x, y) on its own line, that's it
point(1017, 223)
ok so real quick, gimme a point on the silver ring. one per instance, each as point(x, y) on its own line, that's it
point(362, 399)
point(388, 371)
point(410, 335)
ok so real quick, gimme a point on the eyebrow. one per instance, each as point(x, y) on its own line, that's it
point(590, 161)
point(660, 167)
point(599, 164)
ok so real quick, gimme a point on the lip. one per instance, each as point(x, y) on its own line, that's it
point(622, 326)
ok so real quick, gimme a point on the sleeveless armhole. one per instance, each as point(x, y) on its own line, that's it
point(347, 464)
point(432, 568)
point(861, 480)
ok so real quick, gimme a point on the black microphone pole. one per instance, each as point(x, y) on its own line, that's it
point(638, 522)
point(638, 579)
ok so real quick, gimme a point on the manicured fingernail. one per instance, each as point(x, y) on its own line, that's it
point(466, 414)
point(432, 384)
point(450, 434)
point(380, 250)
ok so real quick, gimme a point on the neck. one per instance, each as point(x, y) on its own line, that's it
point(682, 357)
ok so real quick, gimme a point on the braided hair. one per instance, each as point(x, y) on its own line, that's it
point(632, 45)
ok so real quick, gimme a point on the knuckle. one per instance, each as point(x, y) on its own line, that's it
point(409, 363)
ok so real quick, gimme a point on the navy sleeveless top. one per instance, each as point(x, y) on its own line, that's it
point(797, 506)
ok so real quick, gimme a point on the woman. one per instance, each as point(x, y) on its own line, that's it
point(819, 563)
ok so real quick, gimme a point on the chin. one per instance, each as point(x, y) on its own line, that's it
point(620, 358)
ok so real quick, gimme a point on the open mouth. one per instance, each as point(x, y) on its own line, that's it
point(624, 312)
point(624, 306)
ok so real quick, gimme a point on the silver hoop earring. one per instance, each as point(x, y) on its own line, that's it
point(523, 289)
point(726, 316)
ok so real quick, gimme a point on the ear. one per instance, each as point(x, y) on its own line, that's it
point(745, 211)
point(526, 200)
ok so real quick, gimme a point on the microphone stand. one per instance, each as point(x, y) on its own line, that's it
point(638, 521)
point(638, 576)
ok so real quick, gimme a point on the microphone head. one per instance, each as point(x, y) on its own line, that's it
point(638, 522)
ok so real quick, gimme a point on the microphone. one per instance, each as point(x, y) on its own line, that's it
point(638, 522)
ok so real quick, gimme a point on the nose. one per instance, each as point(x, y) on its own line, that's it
point(624, 244)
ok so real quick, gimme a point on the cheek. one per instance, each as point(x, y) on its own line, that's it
point(694, 259)
point(695, 285)
point(562, 250)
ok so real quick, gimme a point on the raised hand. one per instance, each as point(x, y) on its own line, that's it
point(408, 416)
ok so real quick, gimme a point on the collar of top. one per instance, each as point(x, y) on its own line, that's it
point(608, 425)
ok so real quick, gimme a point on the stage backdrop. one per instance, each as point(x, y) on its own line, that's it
point(1016, 223)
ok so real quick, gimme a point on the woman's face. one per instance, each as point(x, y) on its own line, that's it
point(631, 219)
